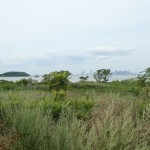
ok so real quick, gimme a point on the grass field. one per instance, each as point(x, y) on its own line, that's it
point(89, 116)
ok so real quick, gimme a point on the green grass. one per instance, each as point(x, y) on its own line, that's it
point(95, 116)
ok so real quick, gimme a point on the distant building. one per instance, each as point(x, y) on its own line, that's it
point(91, 73)
point(120, 72)
point(82, 73)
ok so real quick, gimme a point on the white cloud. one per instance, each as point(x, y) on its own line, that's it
point(65, 56)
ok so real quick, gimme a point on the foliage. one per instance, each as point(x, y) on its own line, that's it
point(26, 82)
point(102, 75)
point(7, 85)
point(98, 75)
point(59, 95)
point(144, 81)
point(57, 80)
point(113, 123)
point(144, 78)
point(82, 78)
point(135, 91)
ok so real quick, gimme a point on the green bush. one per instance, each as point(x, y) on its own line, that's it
point(7, 85)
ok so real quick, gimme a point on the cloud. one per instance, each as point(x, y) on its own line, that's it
point(66, 56)
point(111, 51)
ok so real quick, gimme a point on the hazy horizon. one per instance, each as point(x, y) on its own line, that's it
point(40, 36)
point(84, 73)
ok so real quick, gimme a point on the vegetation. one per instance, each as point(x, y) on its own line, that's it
point(88, 116)
point(144, 81)
point(57, 82)
point(144, 78)
point(82, 78)
point(14, 74)
point(102, 75)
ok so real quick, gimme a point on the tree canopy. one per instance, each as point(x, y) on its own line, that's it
point(102, 75)
point(57, 80)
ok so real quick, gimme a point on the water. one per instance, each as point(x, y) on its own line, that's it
point(112, 78)
point(71, 78)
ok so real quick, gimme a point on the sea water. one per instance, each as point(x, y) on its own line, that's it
point(73, 78)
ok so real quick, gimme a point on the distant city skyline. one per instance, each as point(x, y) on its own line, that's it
point(40, 36)
point(116, 72)
point(89, 73)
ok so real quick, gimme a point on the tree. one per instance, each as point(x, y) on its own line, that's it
point(26, 82)
point(144, 77)
point(82, 78)
point(144, 81)
point(106, 74)
point(97, 75)
point(102, 75)
point(58, 83)
point(57, 80)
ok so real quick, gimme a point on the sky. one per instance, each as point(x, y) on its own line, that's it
point(40, 36)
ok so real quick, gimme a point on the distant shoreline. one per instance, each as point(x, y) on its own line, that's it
point(73, 78)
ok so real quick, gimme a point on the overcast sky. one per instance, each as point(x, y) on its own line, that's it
point(40, 36)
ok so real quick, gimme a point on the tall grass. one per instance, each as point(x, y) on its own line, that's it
point(113, 122)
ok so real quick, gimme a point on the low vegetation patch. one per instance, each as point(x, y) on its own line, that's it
point(35, 120)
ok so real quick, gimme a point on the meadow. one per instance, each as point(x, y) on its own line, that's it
point(87, 116)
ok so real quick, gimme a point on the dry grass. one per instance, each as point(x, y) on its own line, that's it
point(114, 123)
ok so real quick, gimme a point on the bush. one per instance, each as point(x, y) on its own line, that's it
point(7, 85)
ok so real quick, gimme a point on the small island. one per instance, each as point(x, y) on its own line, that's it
point(14, 74)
